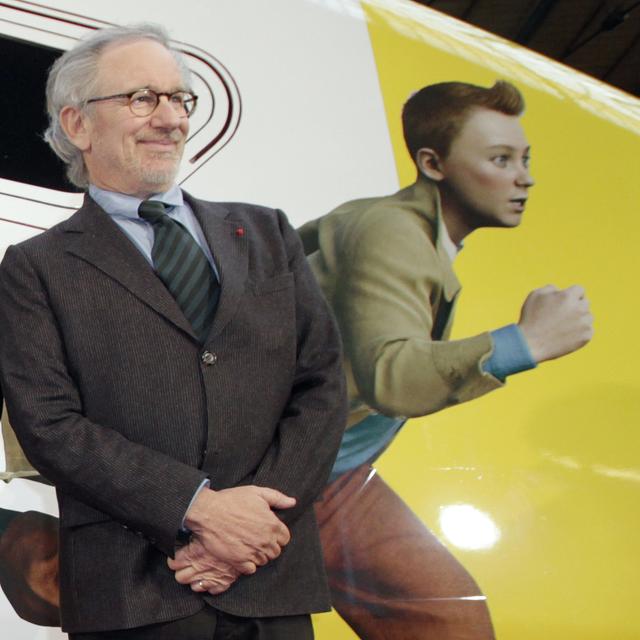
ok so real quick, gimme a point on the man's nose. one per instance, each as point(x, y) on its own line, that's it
point(164, 115)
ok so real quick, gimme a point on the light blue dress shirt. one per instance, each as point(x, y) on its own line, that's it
point(123, 210)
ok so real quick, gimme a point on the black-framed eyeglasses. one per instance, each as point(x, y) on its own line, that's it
point(143, 102)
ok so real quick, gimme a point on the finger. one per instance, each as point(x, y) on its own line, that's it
point(283, 536)
point(262, 558)
point(588, 325)
point(193, 573)
point(200, 586)
point(220, 588)
point(185, 576)
point(577, 291)
point(548, 288)
point(271, 554)
point(268, 551)
point(247, 568)
point(221, 571)
point(187, 554)
point(196, 588)
point(175, 564)
point(276, 499)
point(590, 332)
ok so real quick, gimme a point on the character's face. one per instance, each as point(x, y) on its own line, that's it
point(485, 178)
point(125, 152)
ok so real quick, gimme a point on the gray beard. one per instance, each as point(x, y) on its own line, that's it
point(157, 177)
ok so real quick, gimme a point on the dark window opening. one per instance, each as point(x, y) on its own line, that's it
point(24, 155)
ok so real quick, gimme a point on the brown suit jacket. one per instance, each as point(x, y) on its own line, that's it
point(114, 401)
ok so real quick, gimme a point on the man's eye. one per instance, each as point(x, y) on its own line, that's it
point(142, 99)
point(500, 161)
point(178, 98)
point(526, 160)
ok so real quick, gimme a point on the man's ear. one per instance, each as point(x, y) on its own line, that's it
point(428, 162)
point(74, 123)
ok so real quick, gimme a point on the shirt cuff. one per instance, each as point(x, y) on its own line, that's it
point(203, 485)
point(510, 353)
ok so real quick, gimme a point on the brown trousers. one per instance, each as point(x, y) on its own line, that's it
point(390, 578)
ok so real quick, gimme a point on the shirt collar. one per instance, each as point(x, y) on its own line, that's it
point(121, 204)
point(450, 247)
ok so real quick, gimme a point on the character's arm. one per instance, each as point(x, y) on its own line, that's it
point(388, 277)
point(16, 463)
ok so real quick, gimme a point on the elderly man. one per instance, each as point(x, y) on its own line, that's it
point(385, 265)
point(171, 367)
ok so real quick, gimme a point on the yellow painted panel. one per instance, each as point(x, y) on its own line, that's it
point(548, 467)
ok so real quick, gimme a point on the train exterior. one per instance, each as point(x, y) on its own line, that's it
point(534, 488)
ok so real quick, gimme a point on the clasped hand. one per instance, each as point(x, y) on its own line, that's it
point(234, 531)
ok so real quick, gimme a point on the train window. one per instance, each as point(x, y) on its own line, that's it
point(24, 156)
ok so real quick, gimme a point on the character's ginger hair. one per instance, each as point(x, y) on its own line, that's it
point(434, 116)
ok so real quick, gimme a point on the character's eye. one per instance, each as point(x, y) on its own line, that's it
point(526, 160)
point(500, 161)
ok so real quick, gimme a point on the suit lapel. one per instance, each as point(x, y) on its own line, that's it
point(92, 236)
point(229, 247)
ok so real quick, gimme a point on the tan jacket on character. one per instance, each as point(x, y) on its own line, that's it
point(384, 270)
point(16, 463)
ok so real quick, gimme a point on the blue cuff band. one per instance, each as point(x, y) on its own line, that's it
point(510, 353)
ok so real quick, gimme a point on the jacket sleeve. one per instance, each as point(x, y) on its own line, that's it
point(308, 233)
point(142, 489)
point(387, 279)
point(300, 458)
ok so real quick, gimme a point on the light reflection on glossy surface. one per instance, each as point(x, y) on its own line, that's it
point(619, 473)
point(553, 457)
point(467, 527)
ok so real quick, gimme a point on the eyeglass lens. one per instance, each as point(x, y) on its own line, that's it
point(144, 102)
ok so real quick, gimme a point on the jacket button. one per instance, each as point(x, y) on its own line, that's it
point(208, 358)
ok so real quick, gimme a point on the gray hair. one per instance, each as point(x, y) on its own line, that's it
point(72, 81)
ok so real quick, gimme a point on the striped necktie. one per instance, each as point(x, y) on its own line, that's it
point(183, 268)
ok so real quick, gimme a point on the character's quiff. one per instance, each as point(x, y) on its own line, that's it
point(435, 115)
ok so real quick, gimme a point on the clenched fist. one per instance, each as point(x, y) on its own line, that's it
point(556, 321)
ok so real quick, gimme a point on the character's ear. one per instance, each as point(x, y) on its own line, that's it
point(74, 123)
point(428, 162)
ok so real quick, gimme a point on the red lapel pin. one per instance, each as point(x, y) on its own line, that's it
point(240, 232)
